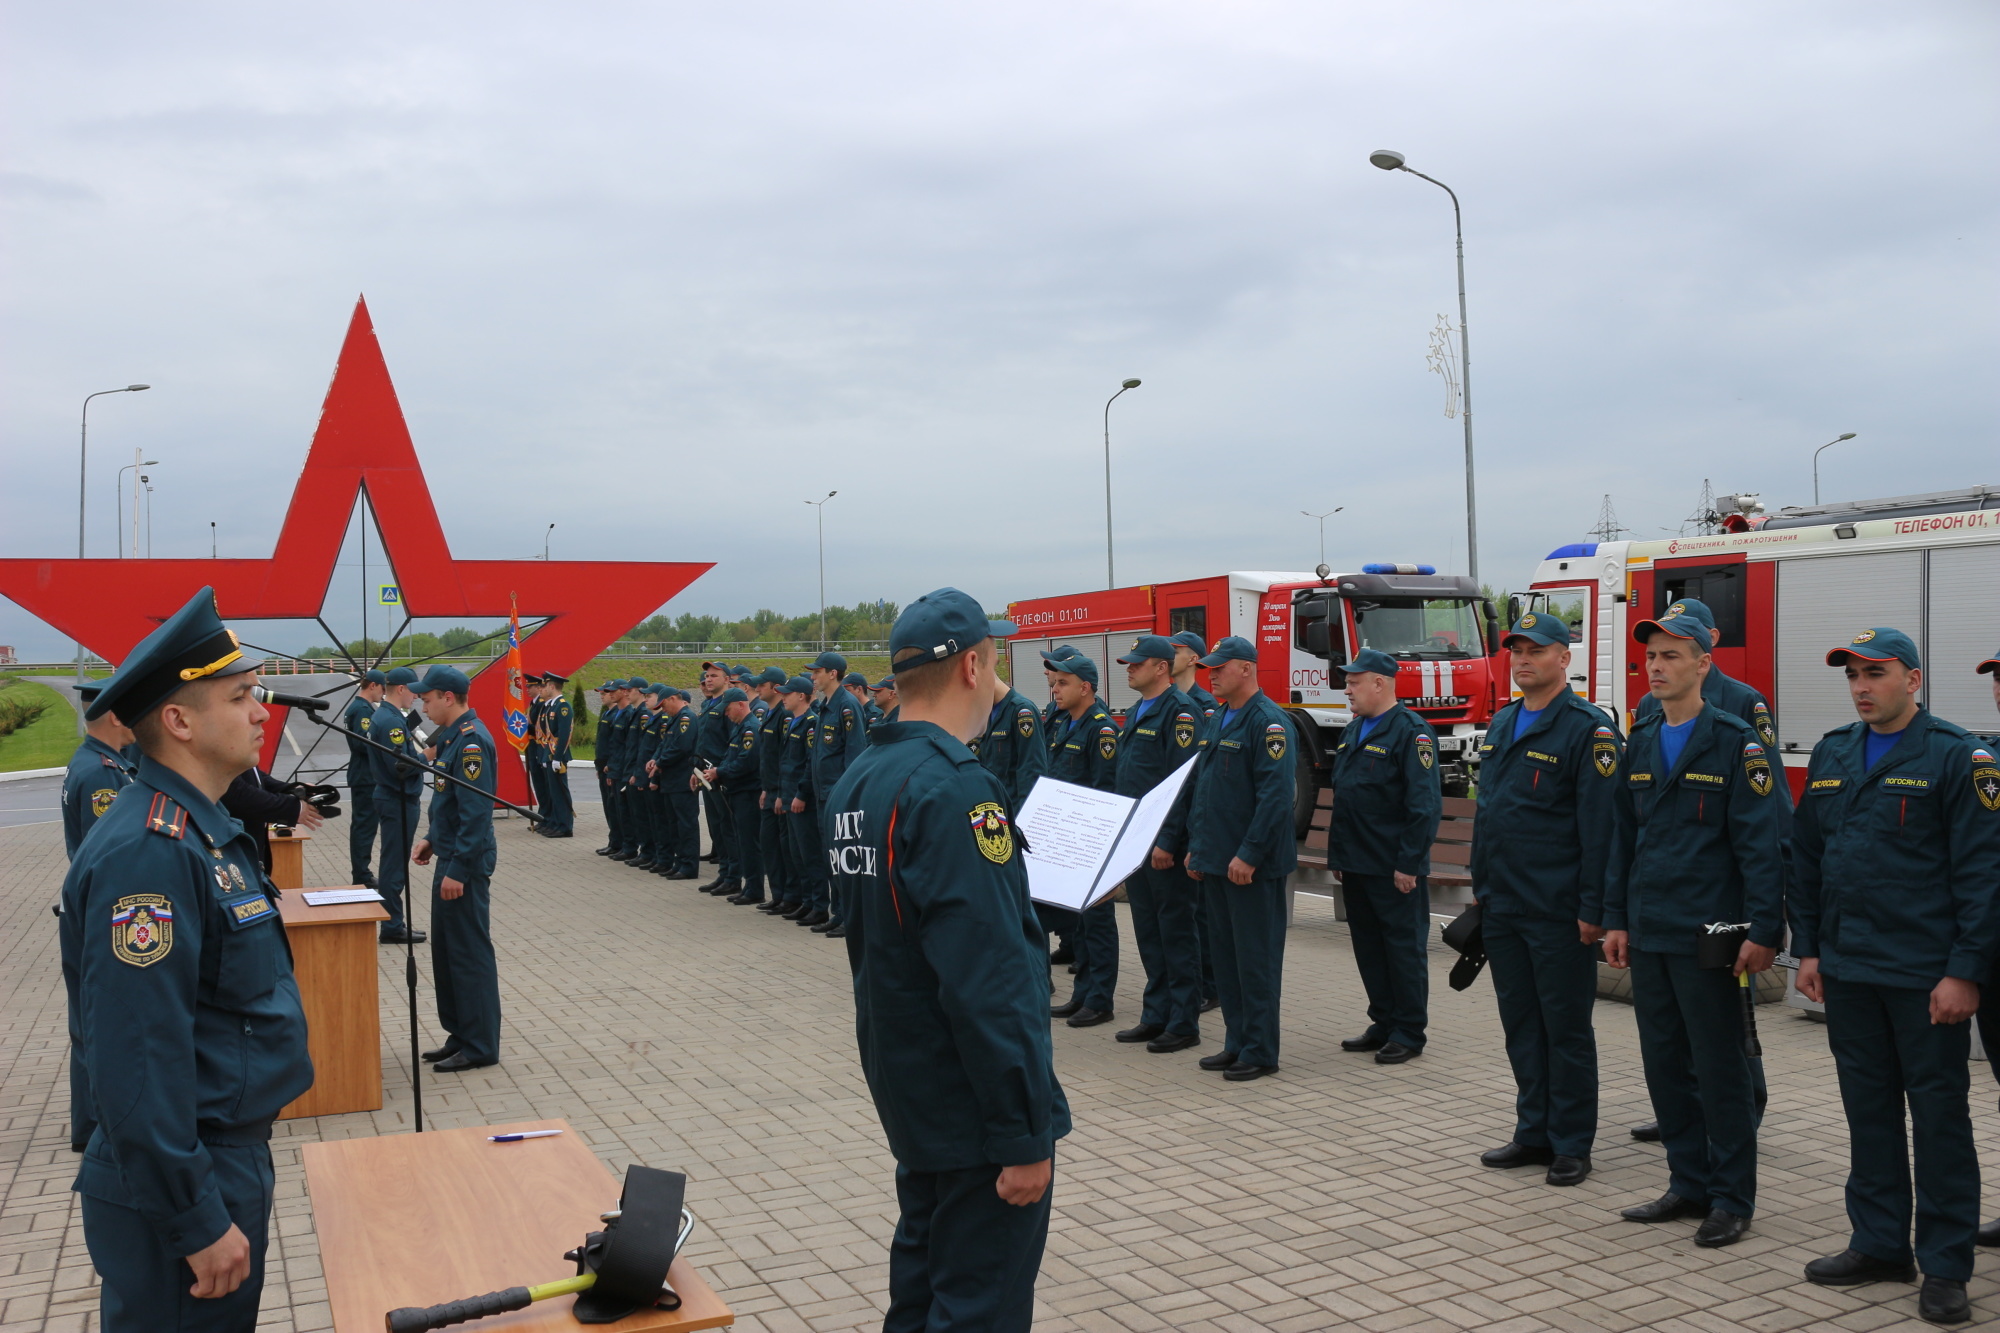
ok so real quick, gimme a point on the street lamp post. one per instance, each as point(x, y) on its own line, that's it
point(820, 505)
point(1110, 569)
point(118, 493)
point(545, 541)
point(83, 476)
point(149, 514)
point(1322, 533)
point(1817, 452)
point(1390, 160)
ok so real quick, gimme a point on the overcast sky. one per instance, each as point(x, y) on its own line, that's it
point(657, 273)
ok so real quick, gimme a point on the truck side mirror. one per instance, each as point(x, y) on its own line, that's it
point(1513, 609)
point(1319, 639)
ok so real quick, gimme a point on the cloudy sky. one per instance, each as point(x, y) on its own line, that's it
point(657, 273)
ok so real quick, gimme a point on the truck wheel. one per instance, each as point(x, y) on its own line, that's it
point(1305, 794)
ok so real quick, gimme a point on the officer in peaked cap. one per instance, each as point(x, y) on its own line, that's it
point(1241, 850)
point(1084, 750)
point(1894, 924)
point(949, 985)
point(557, 723)
point(460, 840)
point(358, 718)
point(173, 955)
point(839, 734)
point(535, 756)
point(398, 792)
point(1547, 775)
point(101, 767)
point(1386, 804)
point(1696, 844)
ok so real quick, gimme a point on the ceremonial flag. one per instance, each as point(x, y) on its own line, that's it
point(517, 700)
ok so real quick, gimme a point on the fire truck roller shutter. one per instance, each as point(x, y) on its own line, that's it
point(1104, 650)
point(1828, 599)
point(1964, 606)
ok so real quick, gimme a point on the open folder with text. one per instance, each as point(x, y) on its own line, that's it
point(1082, 843)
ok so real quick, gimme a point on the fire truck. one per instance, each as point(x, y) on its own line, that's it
point(1443, 634)
point(1786, 587)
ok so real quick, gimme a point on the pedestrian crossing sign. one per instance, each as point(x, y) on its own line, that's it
point(389, 594)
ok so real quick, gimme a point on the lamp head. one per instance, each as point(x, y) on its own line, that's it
point(1131, 384)
point(134, 388)
point(1387, 158)
point(1848, 436)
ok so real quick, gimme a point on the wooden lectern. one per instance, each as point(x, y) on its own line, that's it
point(288, 859)
point(333, 956)
point(421, 1219)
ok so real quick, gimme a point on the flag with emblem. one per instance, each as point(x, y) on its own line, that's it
point(515, 710)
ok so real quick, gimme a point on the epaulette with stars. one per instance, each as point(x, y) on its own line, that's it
point(166, 817)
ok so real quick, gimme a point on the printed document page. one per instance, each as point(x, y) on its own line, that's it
point(1071, 831)
point(1142, 830)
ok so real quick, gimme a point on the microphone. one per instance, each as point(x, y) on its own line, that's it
point(305, 701)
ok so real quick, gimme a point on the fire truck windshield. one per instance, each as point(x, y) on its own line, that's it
point(1419, 629)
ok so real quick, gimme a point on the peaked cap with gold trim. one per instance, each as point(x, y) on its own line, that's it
point(192, 644)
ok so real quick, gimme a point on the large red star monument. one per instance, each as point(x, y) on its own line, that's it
point(361, 443)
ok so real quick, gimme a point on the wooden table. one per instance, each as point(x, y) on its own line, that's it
point(288, 859)
point(421, 1219)
point(333, 955)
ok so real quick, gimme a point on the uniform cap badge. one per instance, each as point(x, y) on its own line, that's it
point(100, 801)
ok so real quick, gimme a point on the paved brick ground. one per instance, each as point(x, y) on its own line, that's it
point(676, 1030)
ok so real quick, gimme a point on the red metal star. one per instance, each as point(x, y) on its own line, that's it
point(361, 441)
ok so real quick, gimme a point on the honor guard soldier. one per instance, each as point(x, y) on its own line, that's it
point(179, 982)
point(673, 768)
point(1696, 848)
point(771, 827)
point(1548, 773)
point(801, 807)
point(738, 776)
point(535, 756)
point(1241, 850)
point(1084, 750)
point(398, 795)
point(711, 742)
point(1989, 996)
point(460, 840)
point(1012, 748)
point(556, 725)
point(1163, 730)
point(1387, 800)
point(1894, 924)
point(358, 719)
point(949, 985)
point(608, 695)
point(839, 734)
point(101, 768)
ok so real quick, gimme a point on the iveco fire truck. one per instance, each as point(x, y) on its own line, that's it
point(1785, 588)
point(1442, 633)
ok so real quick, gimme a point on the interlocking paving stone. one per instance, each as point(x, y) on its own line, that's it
point(676, 1030)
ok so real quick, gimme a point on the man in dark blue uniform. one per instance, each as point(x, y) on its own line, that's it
point(1060, 924)
point(628, 741)
point(1188, 652)
point(398, 791)
point(1895, 925)
point(556, 725)
point(801, 807)
point(771, 827)
point(1697, 844)
point(608, 695)
point(535, 756)
point(1083, 749)
point(673, 769)
point(642, 793)
point(1163, 730)
point(1386, 804)
point(1241, 850)
point(856, 684)
point(97, 772)
point(358, 718)
point(883, 693)
point(1548, 774)
point(738, 775)
point(949, 985)
point(711, 742)
point(460, 840)
point(180, 985)
point(839, 734)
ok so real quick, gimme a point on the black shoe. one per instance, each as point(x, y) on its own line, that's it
point(1851, 1268)
point(1172, 1041)
point(1071, 969)
point(441, 1053)
point(1065, 1010)
point(1210, 1004)
point(640, 865)
point(604, 851)
point(710, 856)
point(1364, 1043)
point(456, 1063)
point(825, 926)
point(1063, 954)
point(1242, 1073)
point(774, 907)
point(682, 874)
point(728, 888)
point(795, 912)
point(564, 834)
point(1648, 1132)
point(812, 918)
point(1089, 1018)
point(1518, 1154)
point(1665, 1209)
point(621, 856)
point(1988, 1234)
point(1720, 1228)
point(402, 937)
point(837, 933)
point(1219, 1061)
point(1144, 1032)
point(1395, 1053)
point(711, 886)
point(1572, 1170)
point(1942, 1301)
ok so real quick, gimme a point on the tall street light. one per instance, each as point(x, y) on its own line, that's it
point(1322, 533)
point(1390, 160)
point(82, 476)
point(119, 489)
point(1110, 570)
point(149, 514)
point(1817, 452)
point(545, 541)
point(820, 505)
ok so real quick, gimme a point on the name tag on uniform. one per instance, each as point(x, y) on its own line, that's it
point(1639, 779)
point(247, 909)
point(1230, 745)
point(1824, 786)
point(1147, 731)
point(1539, 757)
point(1375, 749)
point(1705, 779)
point(1905, 784)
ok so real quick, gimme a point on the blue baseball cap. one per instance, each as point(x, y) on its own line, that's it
point(1056, 656)
point(855, 678)
point(1076, 664)
point(796, 685)
point(1880, 644)
point(1235, 648)
point(830, 661)
point(1149, 648)
point(732, 695)
point(373, 676)
point(1682, 624)
point(940, 624)
point(659, 690)
point(886, 683)
point(1375, 660)
point(400, 676)
point(1187, 638)
point(442, 677)
point(1989, 666)
point(1694, 606)
point(1539, 627)
point(771, 675)
point(608, 686)
point(190, 645)
point(636, 683)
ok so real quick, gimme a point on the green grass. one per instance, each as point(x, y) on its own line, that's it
point(49, 740)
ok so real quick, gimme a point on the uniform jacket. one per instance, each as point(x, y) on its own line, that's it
point(96, 774)
point(1386, 796)
point(950, 967)
point(795, 765)
point(739, 769)
point(358, 719)
point(1168, 734)
point(1013, 749)
point(1204, 701)
point(645, 735)
point(1242, 805)
point(840, 736)
point(461, 831)
point(1542, 835)
point(1897, 865)
point(1700, 843)
point(557, 724)
point(711, 734)
point(1084, 750)
point(179, 982)
point(674, 755)
point(771, 748)
point(390, 727)
point(613, 736)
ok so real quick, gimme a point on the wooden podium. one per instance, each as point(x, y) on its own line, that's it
point(333, 956)
point(288, 859)
point(421, 1219)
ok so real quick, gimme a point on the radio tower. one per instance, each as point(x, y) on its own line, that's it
point(1704, 520)
point(1608, 528)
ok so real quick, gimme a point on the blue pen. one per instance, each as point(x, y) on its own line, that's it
point(529, 1134)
